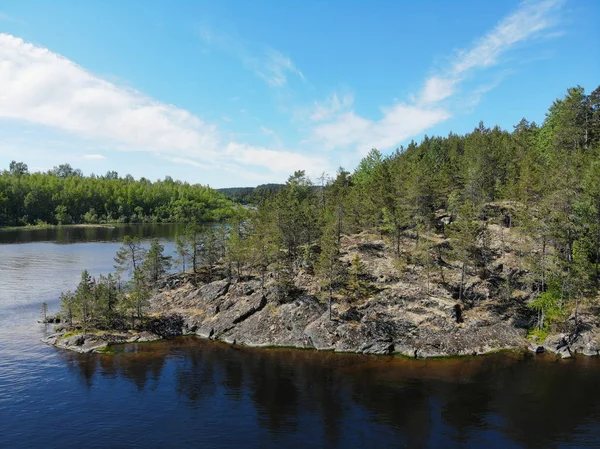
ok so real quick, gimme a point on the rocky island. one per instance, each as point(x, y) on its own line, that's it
point(399, 317)
point(458, 245)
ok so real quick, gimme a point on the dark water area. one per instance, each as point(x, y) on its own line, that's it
point(193, 393)
point(91, 233)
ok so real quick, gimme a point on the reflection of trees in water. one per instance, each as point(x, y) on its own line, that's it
point(531, 402)
point(195, 377)
point(543, 402)
point(403, 406)
point(136, 367)
point(85, 365)
point(274, 393)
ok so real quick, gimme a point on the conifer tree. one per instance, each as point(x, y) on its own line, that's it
point(156, 264)
point(130, 256)
point(329, 269)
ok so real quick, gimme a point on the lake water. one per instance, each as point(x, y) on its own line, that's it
point(193, 393)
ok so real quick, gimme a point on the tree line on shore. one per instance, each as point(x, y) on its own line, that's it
point(546, 178)
point(64, 196)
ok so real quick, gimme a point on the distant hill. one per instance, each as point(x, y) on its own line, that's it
point(250, 195)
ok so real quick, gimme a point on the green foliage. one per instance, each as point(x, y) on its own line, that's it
point(67, 305)
point(63, 195)
point(547, 306)
point(130, 256)
point(251, 195)
point(331, 272)
point(236, 240)
point(182, 250)
point(358, 286)
point(211, 249)
point(155, 264)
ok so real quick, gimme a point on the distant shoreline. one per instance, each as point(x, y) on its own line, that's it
point(50, 226)
point(83, 225)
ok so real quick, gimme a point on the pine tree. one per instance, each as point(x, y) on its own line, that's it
point(130, 256)
point(358, 286)
point(463, 233)
point(182, 249)
point(210, 250)
point(423, 253)
point(329, 269)
point(155, 264)
point(68, 306)
point(84, 297)
point(193, 237)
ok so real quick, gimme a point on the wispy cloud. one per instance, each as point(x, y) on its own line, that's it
point(400, 122)
point(342, 127)
point(276, 68)
point(6, 18)
point(330, 107)
point(41, 87)
point(267, 131)
point(282, 162)
point(93, 157)
point(268, 64)
point(531, 20)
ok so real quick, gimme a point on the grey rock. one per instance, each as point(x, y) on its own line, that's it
point(214, 290)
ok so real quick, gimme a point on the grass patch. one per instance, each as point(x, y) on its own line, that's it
point(71, 334)
point(106, 350)
point(537, 335)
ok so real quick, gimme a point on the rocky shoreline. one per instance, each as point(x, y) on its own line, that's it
point(398, 319)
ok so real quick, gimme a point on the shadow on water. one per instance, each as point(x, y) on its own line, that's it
point(499, 400)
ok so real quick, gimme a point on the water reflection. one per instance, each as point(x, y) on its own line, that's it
point(91, 233)
point(526, 401)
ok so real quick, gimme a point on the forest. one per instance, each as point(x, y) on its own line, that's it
point(250, 195)
point(442, 195)
point(541, 181)
point(64, 196)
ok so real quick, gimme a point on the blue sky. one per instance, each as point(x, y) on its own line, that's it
point(236, 93)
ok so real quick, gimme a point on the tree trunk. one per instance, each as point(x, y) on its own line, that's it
point(543, 289)
point(462, 282)
point(428, 276)
point(576, 312)
point(330, 301)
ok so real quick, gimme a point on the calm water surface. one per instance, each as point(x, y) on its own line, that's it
point(192, 393)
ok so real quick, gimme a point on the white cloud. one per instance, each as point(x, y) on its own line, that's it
point(437, 89)
point(267, 131)
point(40, 87)
point(400, 122)
point(346, 129)
point(192, 162)
point(276, 68)
point(283, 162)
point(93, 157)
point(528, 21)
point(6, 18)
point(330, 107)
point(531, 20)
point(270, 65)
